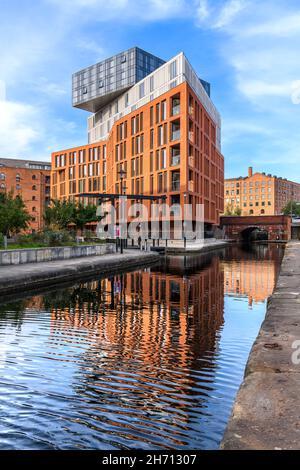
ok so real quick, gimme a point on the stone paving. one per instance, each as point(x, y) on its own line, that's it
point(23, 277)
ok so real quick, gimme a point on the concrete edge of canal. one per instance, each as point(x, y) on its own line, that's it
point(266, 412)
point(29, 276)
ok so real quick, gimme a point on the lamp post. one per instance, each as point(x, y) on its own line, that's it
point(122, 175)
point(184, 224)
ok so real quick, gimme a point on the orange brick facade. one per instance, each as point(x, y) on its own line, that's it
point(260, 194)
point(31, 181)
point(166, 147)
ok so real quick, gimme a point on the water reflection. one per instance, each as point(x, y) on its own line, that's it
point(147, 359)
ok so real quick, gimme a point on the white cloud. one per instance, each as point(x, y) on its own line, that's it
point(229, 12)
point(122, 10)
point(202, 11)
point(284, 26)
point(19, 128)
point(258, 88)
point(91, 46)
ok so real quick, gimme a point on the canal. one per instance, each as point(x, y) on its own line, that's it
point(150, 359)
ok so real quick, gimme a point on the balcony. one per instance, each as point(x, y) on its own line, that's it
point(175, 160)
point(175, 155)
point(191, 136)
point(175, 130)
point(175, 181)
point(175, 186)
point(175, 110)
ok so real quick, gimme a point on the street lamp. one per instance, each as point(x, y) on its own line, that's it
point(122, 175)
point(184, 234)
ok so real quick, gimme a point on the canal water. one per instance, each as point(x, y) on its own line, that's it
point(150, 359)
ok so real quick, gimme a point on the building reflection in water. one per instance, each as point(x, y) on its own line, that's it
point(252, 272)
point(151, 334)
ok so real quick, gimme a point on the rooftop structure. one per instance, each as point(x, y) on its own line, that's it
point(99, 84)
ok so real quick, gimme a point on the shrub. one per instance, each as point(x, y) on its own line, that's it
point(58, 238)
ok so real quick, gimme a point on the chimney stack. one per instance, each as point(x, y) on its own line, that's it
point(250, 171)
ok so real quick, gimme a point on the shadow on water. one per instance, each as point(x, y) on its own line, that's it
point(150, 358)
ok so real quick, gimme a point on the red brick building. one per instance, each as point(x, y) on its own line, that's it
point(31, 180)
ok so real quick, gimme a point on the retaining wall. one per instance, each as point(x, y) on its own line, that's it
point(39, 255)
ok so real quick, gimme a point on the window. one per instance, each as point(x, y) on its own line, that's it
point(163, 158)
point(101, 83)
point(175, 130)
point(175, 156)
point(34, 187)
point(123, 59)
point(18, 187)
point(34, 209)
point(85, 90)
point(160, 136)
point(164, 110)
point(18, 178)
point(175, 106)
point(175, 181)
point(34, 177)
point(151, 83)
point(173, 69)
point(2, 176)
point(142, 90)
point(34, 198)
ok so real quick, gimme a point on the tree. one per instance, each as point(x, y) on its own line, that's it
point(59, 214)
point(84, 214)
point(230, 210)
point(292, 207)
point(14, 216)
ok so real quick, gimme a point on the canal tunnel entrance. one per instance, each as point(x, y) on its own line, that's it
point(254, 233)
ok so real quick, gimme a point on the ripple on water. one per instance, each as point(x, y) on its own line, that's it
point(150, 359)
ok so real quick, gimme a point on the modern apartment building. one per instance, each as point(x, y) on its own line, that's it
point(153, 121)
point(260, 193)
point(31, 180)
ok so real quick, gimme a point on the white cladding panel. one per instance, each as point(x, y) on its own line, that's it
point(169, 75)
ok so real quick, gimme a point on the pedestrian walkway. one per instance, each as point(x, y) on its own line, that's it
point(35, 275)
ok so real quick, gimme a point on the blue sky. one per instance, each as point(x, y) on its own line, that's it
point(247, 49)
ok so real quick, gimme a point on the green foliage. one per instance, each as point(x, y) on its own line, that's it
point(60, 214)
point(230, 210)
point(63, 213)
point(84, 214)
point(13, 214)
point(292, 207)
point(45, 238)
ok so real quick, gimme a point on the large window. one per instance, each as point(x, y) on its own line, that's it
point(175, 155)
point(175, 130)
point(175, 182)
point(173, 69)
point(175, 103)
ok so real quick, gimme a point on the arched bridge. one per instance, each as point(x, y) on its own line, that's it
point(263, 227)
